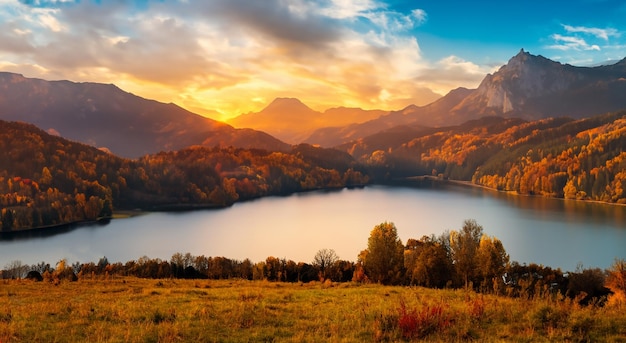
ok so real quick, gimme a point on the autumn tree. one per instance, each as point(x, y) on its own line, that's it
point(341, 271)
point(384, 259)
point(616, 282)
point(491, 259)
point(463, 248)
point(428, 262)
point(323, 260)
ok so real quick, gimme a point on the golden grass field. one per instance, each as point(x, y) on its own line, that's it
point(147, 310)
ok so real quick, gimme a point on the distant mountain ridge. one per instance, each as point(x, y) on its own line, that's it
point(411, 115)
point(292, 121)
point(528, 87)
point(104, 116)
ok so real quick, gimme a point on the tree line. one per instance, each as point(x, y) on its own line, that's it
point(47, 180)
point(466, 258)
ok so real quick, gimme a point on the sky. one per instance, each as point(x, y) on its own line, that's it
point(222, 58)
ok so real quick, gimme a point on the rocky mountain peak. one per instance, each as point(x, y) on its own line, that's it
point(519, 59)
point(525, 76)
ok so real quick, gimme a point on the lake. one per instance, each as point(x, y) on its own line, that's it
point(551, 232)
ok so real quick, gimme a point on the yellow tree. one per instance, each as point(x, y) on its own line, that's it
point(616, 282)
point(384, 259)
point(491, 258)
point(463, 247)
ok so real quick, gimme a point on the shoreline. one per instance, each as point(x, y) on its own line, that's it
point(125, 213)
point(473, 185)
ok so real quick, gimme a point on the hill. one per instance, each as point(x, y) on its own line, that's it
point(105, 116)
point(292, 121)
point(559, 157)
point(47, 180)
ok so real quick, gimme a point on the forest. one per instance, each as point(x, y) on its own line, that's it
point(46, 180)
point(558, 157)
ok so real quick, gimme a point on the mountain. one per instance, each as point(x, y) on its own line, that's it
point(284, 118)
point(528, 87)
point(411, 115)
point(534, 87)
point(105, 116)
point(292, 121)
point(348, 115)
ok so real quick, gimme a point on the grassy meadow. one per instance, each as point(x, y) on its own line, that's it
point(148, 310)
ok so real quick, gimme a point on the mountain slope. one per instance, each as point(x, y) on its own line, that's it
point(529, 87)
point(534, 87)
point(292, 121)
point(105, 116)
point(411, 115)
point(557, 157)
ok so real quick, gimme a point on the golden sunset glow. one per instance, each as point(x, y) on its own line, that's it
point(222, 59)
point(225, 58)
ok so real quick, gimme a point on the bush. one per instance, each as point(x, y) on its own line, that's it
point(548, 317)
point(419, 324)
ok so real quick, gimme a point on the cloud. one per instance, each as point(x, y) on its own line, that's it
point(291, 23)
point(348, 9)
point(452, 72)
point(571, 43)
point(223, 55)
point(597, 32)
point(395, 21)
point(587, 46)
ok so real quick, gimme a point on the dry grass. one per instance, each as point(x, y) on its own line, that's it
point(142, 310)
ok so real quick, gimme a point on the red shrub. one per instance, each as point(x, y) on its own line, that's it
point(419, 324)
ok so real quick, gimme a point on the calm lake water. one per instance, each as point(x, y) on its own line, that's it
point(552, 232)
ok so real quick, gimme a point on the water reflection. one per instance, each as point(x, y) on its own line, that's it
point(43, 233)
point(533, 230)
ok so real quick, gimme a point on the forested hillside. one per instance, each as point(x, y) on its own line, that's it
point(47, 180)
point(559, 157)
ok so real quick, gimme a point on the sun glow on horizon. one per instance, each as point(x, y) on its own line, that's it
point(222, 59)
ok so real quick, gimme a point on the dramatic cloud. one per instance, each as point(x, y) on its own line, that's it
point(233, 56)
